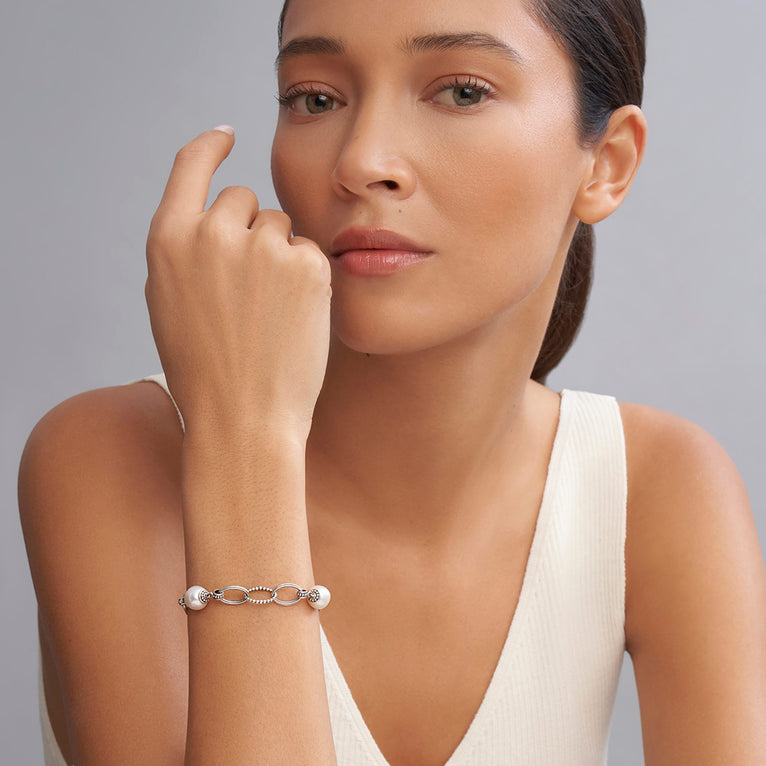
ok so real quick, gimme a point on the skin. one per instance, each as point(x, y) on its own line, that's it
point(496, 199)
point(405, 405)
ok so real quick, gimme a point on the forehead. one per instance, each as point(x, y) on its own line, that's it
point(383, 25)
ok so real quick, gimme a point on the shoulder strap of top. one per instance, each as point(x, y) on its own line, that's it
point(51, 752)
point(596, 478)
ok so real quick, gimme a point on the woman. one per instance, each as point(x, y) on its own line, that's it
point(392, 439)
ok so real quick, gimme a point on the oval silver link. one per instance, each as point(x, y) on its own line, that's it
point(279, 601)
point(218, 594)
point(260, 600)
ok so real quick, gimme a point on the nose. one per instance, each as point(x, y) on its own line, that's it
point(373, 160)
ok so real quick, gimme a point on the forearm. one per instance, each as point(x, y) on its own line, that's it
point(256, 681)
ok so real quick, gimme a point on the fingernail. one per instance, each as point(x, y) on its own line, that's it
point(225, 129)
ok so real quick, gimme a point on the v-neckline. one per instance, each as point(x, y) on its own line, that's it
point(523, 606)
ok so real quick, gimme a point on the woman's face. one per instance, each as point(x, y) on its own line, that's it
point(450, 123)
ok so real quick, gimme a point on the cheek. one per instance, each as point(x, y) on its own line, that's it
point(284, 172)
point(494, 199)
point(512, 190)
point(296, 173)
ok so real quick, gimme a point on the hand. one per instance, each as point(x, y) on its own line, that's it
point(239, 309)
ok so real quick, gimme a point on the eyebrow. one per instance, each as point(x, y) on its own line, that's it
point(450, 40)
point(307, 46)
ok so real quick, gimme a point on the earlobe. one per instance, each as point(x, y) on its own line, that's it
point(613, 165)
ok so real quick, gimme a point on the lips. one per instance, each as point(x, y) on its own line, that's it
point(373, 239)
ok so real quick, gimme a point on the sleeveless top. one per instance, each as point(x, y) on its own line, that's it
point(551, 697)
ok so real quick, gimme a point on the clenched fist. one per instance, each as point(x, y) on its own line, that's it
point(240, 309)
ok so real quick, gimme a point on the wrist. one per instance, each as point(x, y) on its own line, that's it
point(244, 424)
point(255, 438)
point(238, 486)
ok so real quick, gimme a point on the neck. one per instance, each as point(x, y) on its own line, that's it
point(408, 444)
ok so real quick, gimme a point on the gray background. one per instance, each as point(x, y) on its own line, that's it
point(97, 97)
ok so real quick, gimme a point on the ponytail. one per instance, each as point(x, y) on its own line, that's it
point(569, 306)
point(606, 41)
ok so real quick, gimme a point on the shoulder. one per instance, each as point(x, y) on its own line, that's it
point(89, 456)
point(675, 468)
point(117, 414)
point(695, 591)
point(94, 444)
point(98, 461)
point(100, 511)
point(686, 502)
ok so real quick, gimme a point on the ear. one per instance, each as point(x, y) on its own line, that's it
point(613, 165)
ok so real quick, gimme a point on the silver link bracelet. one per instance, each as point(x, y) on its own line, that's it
point(197, 597)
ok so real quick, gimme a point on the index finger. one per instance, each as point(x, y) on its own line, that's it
point(188, 185)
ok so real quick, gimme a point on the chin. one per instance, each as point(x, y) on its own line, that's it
point(371, 338)
point(402, 331)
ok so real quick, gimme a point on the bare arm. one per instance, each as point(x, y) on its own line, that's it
point(696, 602)
point(240, 315)
point(100, 505)
point(257, 692)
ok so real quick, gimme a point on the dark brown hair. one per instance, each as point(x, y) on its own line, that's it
point(606, 42)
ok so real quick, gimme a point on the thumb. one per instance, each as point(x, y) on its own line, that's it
point(188, 185)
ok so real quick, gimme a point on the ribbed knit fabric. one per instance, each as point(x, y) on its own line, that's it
point(551, 697)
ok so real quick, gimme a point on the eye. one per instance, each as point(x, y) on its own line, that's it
point(307, 100)
point(462, 91)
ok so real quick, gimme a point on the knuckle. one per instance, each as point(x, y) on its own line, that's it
point(158, 226)
point(325, 272)
point(165, 231)
point(159, 238)
point(194, 150)
point(240, 191)
point(275, 218)
point(315, 261)
point(151, 294)
point(217, 227)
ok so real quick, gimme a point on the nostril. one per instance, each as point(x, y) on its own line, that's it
point(391, 184)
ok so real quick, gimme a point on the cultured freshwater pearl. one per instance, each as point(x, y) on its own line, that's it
point(193, 597)
point(319, 597)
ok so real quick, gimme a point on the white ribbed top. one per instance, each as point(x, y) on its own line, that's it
point(551, 697)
